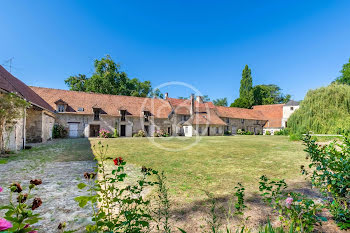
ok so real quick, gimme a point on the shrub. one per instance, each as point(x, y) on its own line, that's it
point(295, 209)
point(103, 133)
point(227, 132)
point(240, 131)
point(160, 133)
point(267, 132)
point(141, 133)
point(122, 207)
point(59, 131)
point(330, 173)
point(282, 132)
point(115, 133)
point(249, 133)
point(19, 216)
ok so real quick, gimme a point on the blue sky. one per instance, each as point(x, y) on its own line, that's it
point(298, 45)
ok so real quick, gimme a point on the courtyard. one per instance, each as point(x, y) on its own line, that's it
point(214, 164)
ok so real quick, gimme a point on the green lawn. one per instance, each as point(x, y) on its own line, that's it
point(215, 164)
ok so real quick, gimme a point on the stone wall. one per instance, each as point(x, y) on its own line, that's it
point(47, 125)
point(132, 124)
point(14, 135)
point(255, 126)
point(34, 126)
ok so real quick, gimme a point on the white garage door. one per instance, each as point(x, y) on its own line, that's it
point(73, 130)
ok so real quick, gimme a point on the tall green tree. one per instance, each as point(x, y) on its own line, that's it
point(220, 102)
point(109, 79)
point(269, 94)
point(345, 75)
point(246, 97)
point(325, 110)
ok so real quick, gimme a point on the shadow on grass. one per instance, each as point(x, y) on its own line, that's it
point(194, 216)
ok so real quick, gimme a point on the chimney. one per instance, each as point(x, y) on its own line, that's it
point(199, 99)
point(192, 105)
point(166, 95)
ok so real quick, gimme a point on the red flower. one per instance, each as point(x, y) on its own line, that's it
point(36, 203)
point(36, 182)
point(118, 161)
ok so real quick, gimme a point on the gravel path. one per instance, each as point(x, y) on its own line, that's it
point(57, 191)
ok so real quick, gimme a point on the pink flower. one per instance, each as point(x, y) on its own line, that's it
point(289, 202)
point(1, 189)
point(4, 224)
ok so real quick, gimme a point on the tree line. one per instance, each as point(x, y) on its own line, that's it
point(108, 78)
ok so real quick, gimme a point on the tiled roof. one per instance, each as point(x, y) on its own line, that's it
point(10, 83)
point(240, 113)
point(183, 106)
point(205, 118)
point(109, 104)
point(273, 113)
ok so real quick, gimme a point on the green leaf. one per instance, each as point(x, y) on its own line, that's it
point(81, 186)
point(182, 231)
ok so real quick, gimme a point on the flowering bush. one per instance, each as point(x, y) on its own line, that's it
point(160, 133)
point(295, 210)
point(19, 216)
point(121, 207)
point(103, 133)
point(141, 133)
point(330, 173)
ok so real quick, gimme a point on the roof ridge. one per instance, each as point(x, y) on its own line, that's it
point(94, 93)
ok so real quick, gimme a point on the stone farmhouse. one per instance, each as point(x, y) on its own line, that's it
point(85, 114)
point(37, 121)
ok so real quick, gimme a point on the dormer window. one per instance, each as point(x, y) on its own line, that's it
point(185, 117)
point(123, 114)
point(61, 105)
point(60, 108)
point(96, 114)
point(146, 114)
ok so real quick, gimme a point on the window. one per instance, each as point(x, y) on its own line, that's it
point(242, 121)
point(169, 130)
point(184, 117)
point(80, 109)
point(227, 120)
point(257, 122)
point(199, 129)
point(60, 108)
point(96, 114)
point(291, 108)
point(123, 113)
point(146, 115)
point(217, 130)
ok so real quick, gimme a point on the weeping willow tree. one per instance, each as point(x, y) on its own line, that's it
point(325, 111)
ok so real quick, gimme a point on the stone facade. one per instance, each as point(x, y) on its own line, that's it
point(14, 135)
point(254, 126)
point(39, 125)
